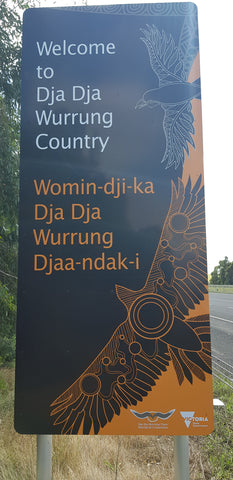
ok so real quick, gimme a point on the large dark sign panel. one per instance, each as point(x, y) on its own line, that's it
point(113, 327)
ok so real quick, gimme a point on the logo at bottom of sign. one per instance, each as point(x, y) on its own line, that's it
point(151, 419)
point(158, 420)
point(196, 421)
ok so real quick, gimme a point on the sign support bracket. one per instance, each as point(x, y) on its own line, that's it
point(44, 457)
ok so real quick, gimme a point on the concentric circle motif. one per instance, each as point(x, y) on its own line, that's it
point(121, 379)
point(184, 8)
point(193, 246)
point(135, 9)
point(122, 361)
point(151, 316)
point(106, 361)
point(135, 348)
point(179, 223)
point(111, 9)
point(164, 243)
point(159, 9)
point(90, 384)
point(180, 273)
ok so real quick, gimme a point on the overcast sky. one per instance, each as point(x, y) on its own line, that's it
point(215, 34)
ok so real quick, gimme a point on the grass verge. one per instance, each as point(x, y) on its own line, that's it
point(112, 457)
point(219, 445)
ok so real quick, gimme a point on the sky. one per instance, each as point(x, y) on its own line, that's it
point(215, 36)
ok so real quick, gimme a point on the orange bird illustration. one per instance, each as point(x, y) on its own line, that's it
point(158, 331)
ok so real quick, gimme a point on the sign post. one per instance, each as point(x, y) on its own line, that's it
point(44, 457)
point(113, 333)
point(181, 444)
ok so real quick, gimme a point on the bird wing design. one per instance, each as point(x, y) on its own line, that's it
point(165, 57)
point(172, 64)
point(157, 330)
point(178, 127)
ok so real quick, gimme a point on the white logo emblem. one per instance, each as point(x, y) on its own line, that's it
point(196, 421)
point(188, 417)
point(153, 416)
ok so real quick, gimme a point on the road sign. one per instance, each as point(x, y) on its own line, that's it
point(113, 323)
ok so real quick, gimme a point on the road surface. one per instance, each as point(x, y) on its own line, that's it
point(221, 322)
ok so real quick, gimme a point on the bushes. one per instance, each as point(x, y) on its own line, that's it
point(7, 349)
point(7, 325)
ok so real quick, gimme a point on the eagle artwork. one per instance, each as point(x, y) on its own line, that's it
point(174, 93)
point(159, 329)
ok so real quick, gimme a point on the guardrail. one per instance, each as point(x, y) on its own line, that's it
point(222, 370)
point(221, 288)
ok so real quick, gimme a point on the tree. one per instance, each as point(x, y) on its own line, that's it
point(214, 279)
point(229, 274)
point(223, 266)
point(10, 61)
point(222, 273)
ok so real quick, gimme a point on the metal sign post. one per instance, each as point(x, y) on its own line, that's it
point(181, 451)
point(44, 457)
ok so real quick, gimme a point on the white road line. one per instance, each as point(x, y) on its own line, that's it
point(223, 319)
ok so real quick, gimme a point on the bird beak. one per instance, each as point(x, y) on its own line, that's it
point(141, 103)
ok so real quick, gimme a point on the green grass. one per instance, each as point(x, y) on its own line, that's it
point(221, 288)
point(113, 457)
point(219, 445)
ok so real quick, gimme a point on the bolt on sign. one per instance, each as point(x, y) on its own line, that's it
point(113, 333)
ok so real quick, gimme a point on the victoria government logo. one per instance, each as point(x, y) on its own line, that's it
point(196, 421)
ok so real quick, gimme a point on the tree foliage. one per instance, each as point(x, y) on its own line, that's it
point(10, 40)
point(9, 160)
point(222, 273)
point(10, 62)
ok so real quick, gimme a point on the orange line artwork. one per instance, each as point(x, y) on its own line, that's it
point(159, 330)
